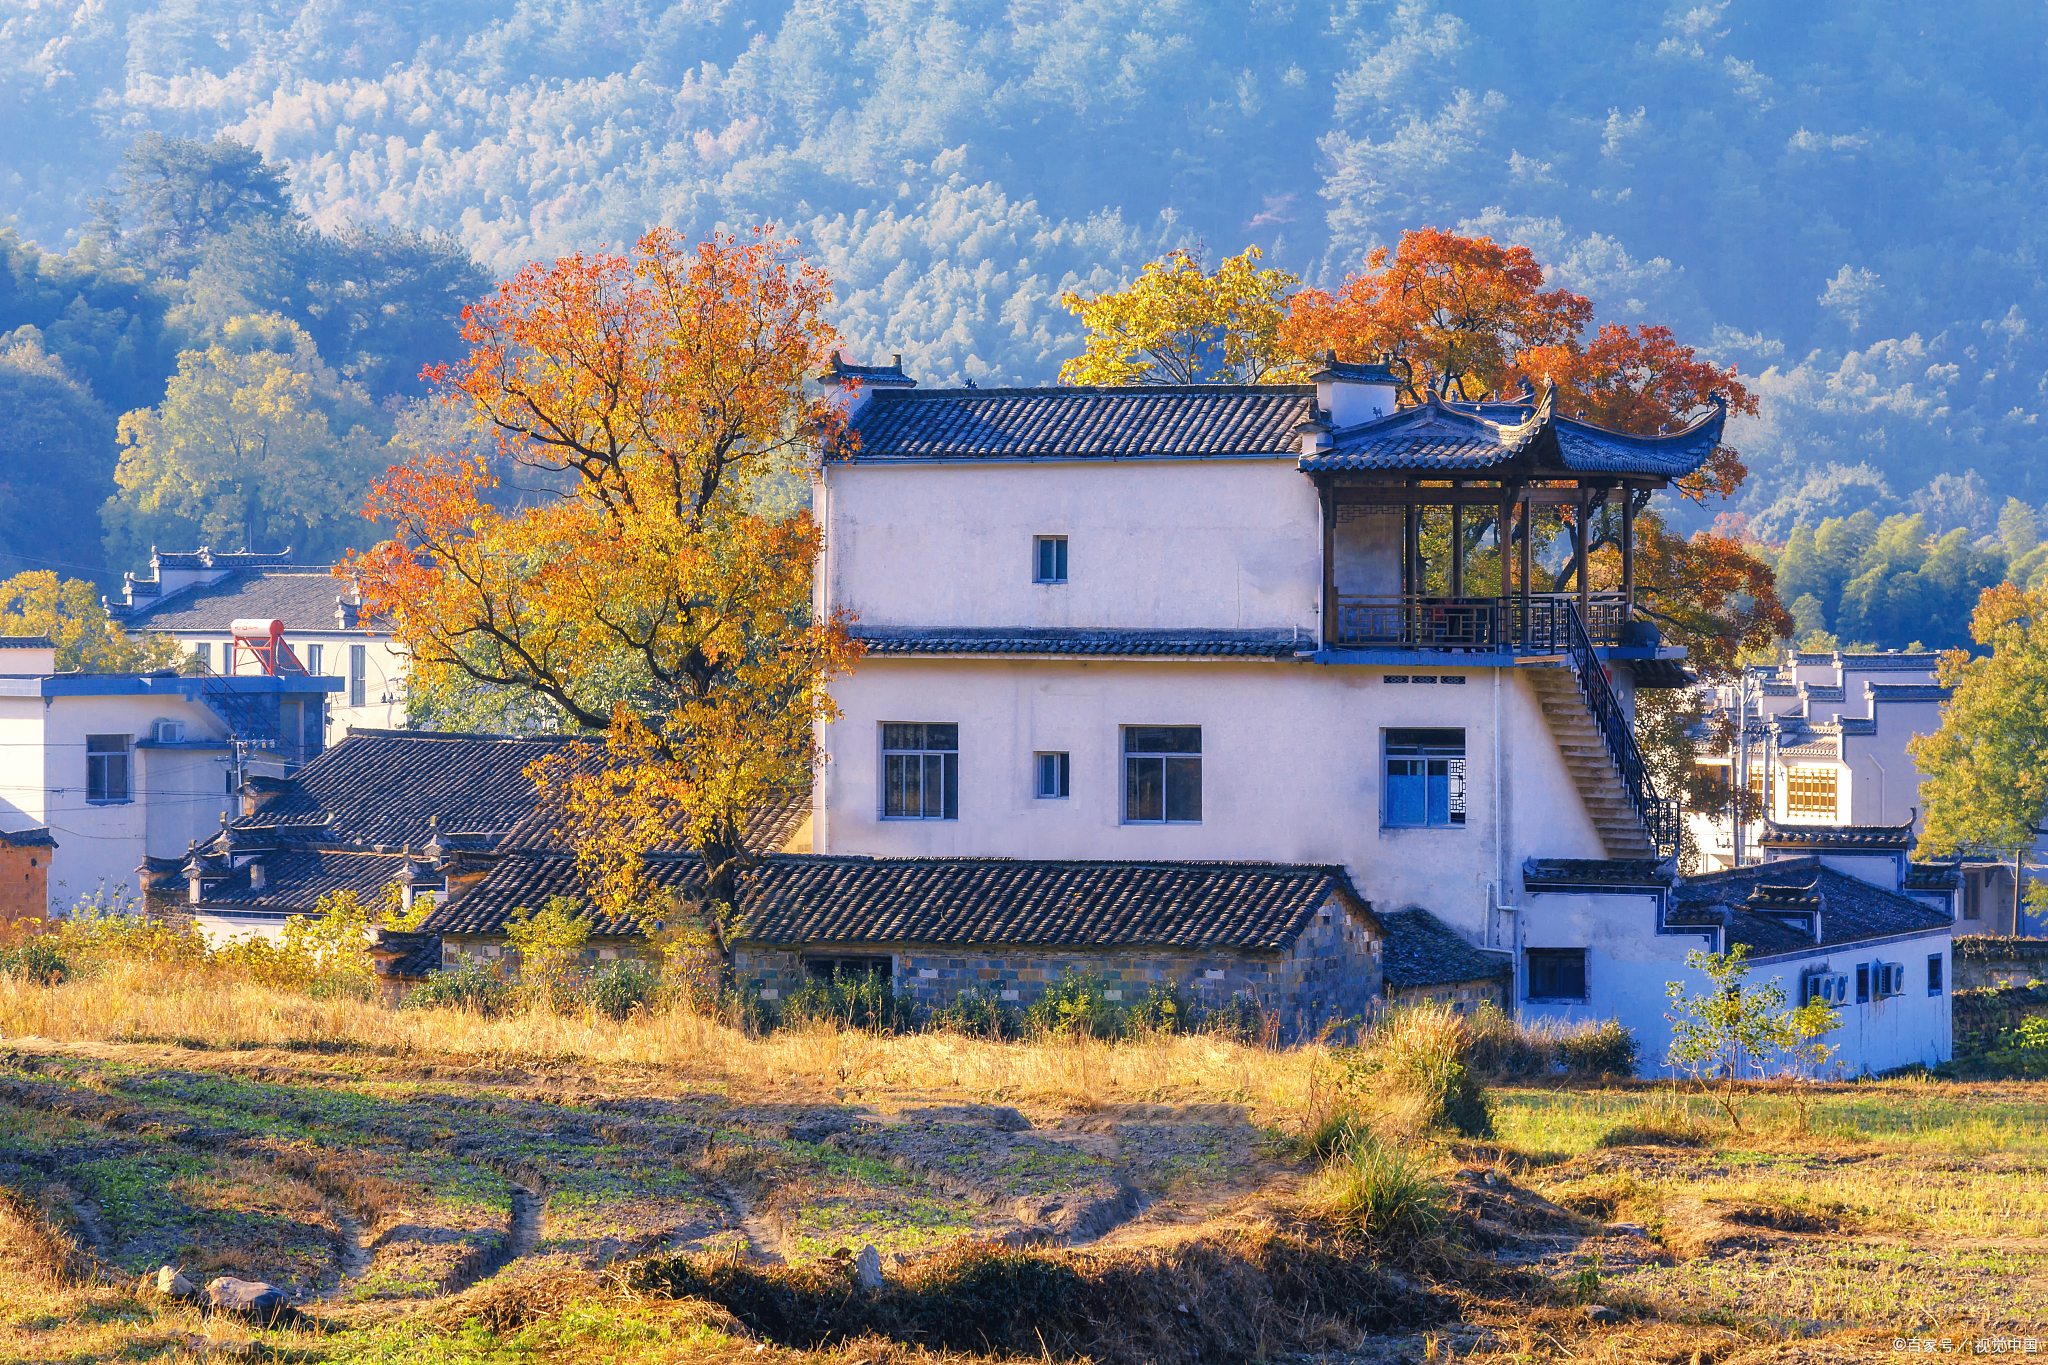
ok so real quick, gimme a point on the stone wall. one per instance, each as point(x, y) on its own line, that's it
point(489, 949)
point(1329, 975)
point(1984, 961)
point(1465, 996)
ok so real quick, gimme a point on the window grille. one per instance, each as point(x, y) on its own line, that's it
point(1810, 791)
point(1425, 778)
point(1557, 973)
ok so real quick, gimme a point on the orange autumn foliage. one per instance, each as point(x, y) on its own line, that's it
point(1457, 310)
point(642, 595)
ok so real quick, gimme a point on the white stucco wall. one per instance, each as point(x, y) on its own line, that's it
point(1628, 965)
point(1152, 544)
point(176, 794)
point(1291, 770)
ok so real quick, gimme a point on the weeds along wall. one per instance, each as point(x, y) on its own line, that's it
point(495, 949)
point(1329, 974)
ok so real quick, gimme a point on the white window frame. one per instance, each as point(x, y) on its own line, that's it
point(104, 760)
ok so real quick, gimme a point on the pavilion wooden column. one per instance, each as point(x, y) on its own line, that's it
point(1329, 499)
point(1457, 549)
point(1628, 552)
point(1527, 557)
point(1411, 550)
point(1585, 508)
point(1504, 542)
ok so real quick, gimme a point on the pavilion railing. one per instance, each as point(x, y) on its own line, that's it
point(1478, 623)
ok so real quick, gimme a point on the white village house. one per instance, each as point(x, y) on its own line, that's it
point(1170, 626)
point(196, 598)
point(1827, 745)
point(117, 769)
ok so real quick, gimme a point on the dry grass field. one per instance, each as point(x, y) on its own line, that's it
point(433, 1187)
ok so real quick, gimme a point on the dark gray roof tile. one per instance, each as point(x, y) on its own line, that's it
point(1421, 950)
point(885, 643)
point(1184, 421)
point(1851, 909)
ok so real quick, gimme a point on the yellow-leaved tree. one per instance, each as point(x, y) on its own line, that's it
point(651, 600)
point(1181, 324)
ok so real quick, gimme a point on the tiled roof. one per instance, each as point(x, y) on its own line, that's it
point(384, 786)
point(205, 557)
point(1882, 692)
point(527, 880)
point(1597, 872)
point(304, 599)
point(419, 953)
point(1866, 663)
point(1439, 435)
point(296, 876)
point(1421, 950)
point(1875, 838)
point(878, 375)
point(39, 837)
point(1182, 421)
point(766, 829)
point(1931, 877)
point(1851, 909)
point(1429, 435)
point(885, 643)
point(794, 899)
point(27, 642)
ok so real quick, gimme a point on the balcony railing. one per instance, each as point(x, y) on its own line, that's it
point(1479, 623)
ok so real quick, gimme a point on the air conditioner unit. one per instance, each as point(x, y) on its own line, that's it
point(169, 732)
point(1832, 988)
point(1889, 978)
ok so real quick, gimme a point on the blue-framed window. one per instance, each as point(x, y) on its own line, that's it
point(920, 772)
point(1049, 556)
point(1162, 774)
point(1425, 778)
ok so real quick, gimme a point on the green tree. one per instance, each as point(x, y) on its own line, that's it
point(1808, 616)
point(69, 612)
point(242, 451)
point(2019, 529)
point(104, 318)
point(1733, 1032)
point(175, 192)
point(1181, 324)
point(57, 470)
point(380, 306)
point(1984, 773)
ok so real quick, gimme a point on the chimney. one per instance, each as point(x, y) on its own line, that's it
point(1351, 393)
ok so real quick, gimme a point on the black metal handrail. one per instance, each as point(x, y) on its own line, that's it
point(1660, 817)
point(1527, 626)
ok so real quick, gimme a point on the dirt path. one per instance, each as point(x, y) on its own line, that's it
point(351, 1256)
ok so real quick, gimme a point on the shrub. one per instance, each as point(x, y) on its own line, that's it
point(868, 1002)
point(39, 958)
point(550, 946)
point(1161, 1009)
point(1242, 1020)
point(616, 989)
point(1607, 1048)
point(474, 987)
point(1383, 1191)
point(979, 1013)
point(1501, 1047)
point(1424, 1051)
point(1074, 1006)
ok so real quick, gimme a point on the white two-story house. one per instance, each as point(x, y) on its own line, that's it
point(1276, 623)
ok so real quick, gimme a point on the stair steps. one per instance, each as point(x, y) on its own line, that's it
point(1591, 763)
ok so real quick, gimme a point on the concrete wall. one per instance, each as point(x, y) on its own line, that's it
point(1213, 544)
point(1292, 770)
point(1628, 965)
point(176, 794)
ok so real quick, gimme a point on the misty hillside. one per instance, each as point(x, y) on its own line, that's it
point(1842, 197)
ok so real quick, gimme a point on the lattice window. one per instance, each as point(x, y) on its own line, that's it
point(1810, 791)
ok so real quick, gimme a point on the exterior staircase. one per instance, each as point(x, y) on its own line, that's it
point(1592, 762)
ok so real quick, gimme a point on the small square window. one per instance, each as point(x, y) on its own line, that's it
point(1050, 559)
point(1557, 973)
point(1863, 983)
point(1934, 973)
point(1052, 775)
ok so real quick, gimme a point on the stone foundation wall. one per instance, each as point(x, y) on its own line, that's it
point(1465, 996)
point(1987, 962)
point(1330, 975)
point(457, 949)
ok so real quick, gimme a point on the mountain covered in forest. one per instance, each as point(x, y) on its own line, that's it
point(1842, 198)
